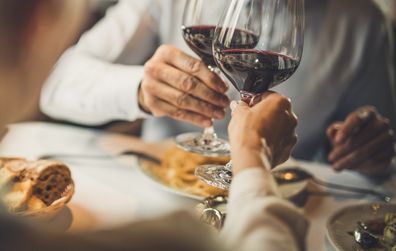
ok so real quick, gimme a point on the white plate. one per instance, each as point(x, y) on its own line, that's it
point(288, 191)
point(344, 221)
point(161, 185)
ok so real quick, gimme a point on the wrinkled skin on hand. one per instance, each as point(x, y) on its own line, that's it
point(362, 142)
point(182, 87)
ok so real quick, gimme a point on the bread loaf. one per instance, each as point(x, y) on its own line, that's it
point(32, 185)
point(50, 180)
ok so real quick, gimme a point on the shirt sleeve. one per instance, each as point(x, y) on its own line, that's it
point(97, 80)
point(257, 219)
point(373, 80)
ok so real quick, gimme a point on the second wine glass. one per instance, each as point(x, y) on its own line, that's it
point(258, 44)
point(200, 18)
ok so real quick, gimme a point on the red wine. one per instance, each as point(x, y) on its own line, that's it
point(255, 71)
point(200, 38)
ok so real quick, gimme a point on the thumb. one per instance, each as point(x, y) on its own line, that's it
point(354, 122)
point(233, 105)
point(332, 131)
point(238, 106)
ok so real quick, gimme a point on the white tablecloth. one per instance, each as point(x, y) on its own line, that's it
point(111, 192)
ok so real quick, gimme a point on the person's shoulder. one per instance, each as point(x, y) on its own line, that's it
point(360, 23)
point(359, 12)
point(139, 4)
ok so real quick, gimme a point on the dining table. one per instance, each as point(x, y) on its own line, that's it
point(112, 191)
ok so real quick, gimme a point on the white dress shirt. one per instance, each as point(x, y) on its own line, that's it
point(346, 64)
point(389, 8)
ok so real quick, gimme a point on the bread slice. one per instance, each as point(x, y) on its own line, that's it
point(32, 185)
point(51, 179)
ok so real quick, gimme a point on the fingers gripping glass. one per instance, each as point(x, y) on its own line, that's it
point(257, 44)
point(199, 22)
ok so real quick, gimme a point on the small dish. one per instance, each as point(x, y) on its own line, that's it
point(345, 220)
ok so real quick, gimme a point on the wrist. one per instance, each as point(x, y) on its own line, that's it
point(141, 102)
point(246, 157)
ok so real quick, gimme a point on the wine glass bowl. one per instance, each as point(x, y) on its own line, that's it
point(254, 71)
point(257, 44)
point(276, 26)
point(200, 39)
point(198, 28)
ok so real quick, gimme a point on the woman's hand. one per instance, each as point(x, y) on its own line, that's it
point(271, 121)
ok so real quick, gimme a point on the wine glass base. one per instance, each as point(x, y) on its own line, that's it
point(215, 175)
point(193, 142)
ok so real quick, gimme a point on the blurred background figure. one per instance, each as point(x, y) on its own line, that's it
point(389, 9)
point(26, 29)
point(345, 80)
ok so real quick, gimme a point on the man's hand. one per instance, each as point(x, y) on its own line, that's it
point(363, 142)
point(182, 87)
point(272, 120)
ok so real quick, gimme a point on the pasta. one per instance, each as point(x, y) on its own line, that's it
point(177, 171)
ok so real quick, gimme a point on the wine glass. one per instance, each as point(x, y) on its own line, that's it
point(199, 23)
point(258, 44)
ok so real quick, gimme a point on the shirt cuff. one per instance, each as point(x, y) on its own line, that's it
point(126, 90)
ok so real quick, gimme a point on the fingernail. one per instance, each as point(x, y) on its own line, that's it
point(218, 114)
point(225, 102)
point(233, 105)
point(339, 138)
point(330, 158)
point(224, 88)
point(364, 114)
point(337, 166)
point(207, 123)
point(337, 127)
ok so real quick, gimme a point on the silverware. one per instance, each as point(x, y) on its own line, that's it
point(296, 174)
point(99, 156)
point(212, 211)
point(364, 237)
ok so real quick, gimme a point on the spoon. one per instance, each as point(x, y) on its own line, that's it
point(364, 237)
point(296, 174)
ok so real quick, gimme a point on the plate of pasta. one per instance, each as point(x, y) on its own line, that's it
point(175, 174)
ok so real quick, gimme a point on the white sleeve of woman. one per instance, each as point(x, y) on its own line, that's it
point(257, 219)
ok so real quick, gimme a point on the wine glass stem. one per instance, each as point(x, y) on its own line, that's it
point(249, 98)
point(209, 134)
point(228, 166)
